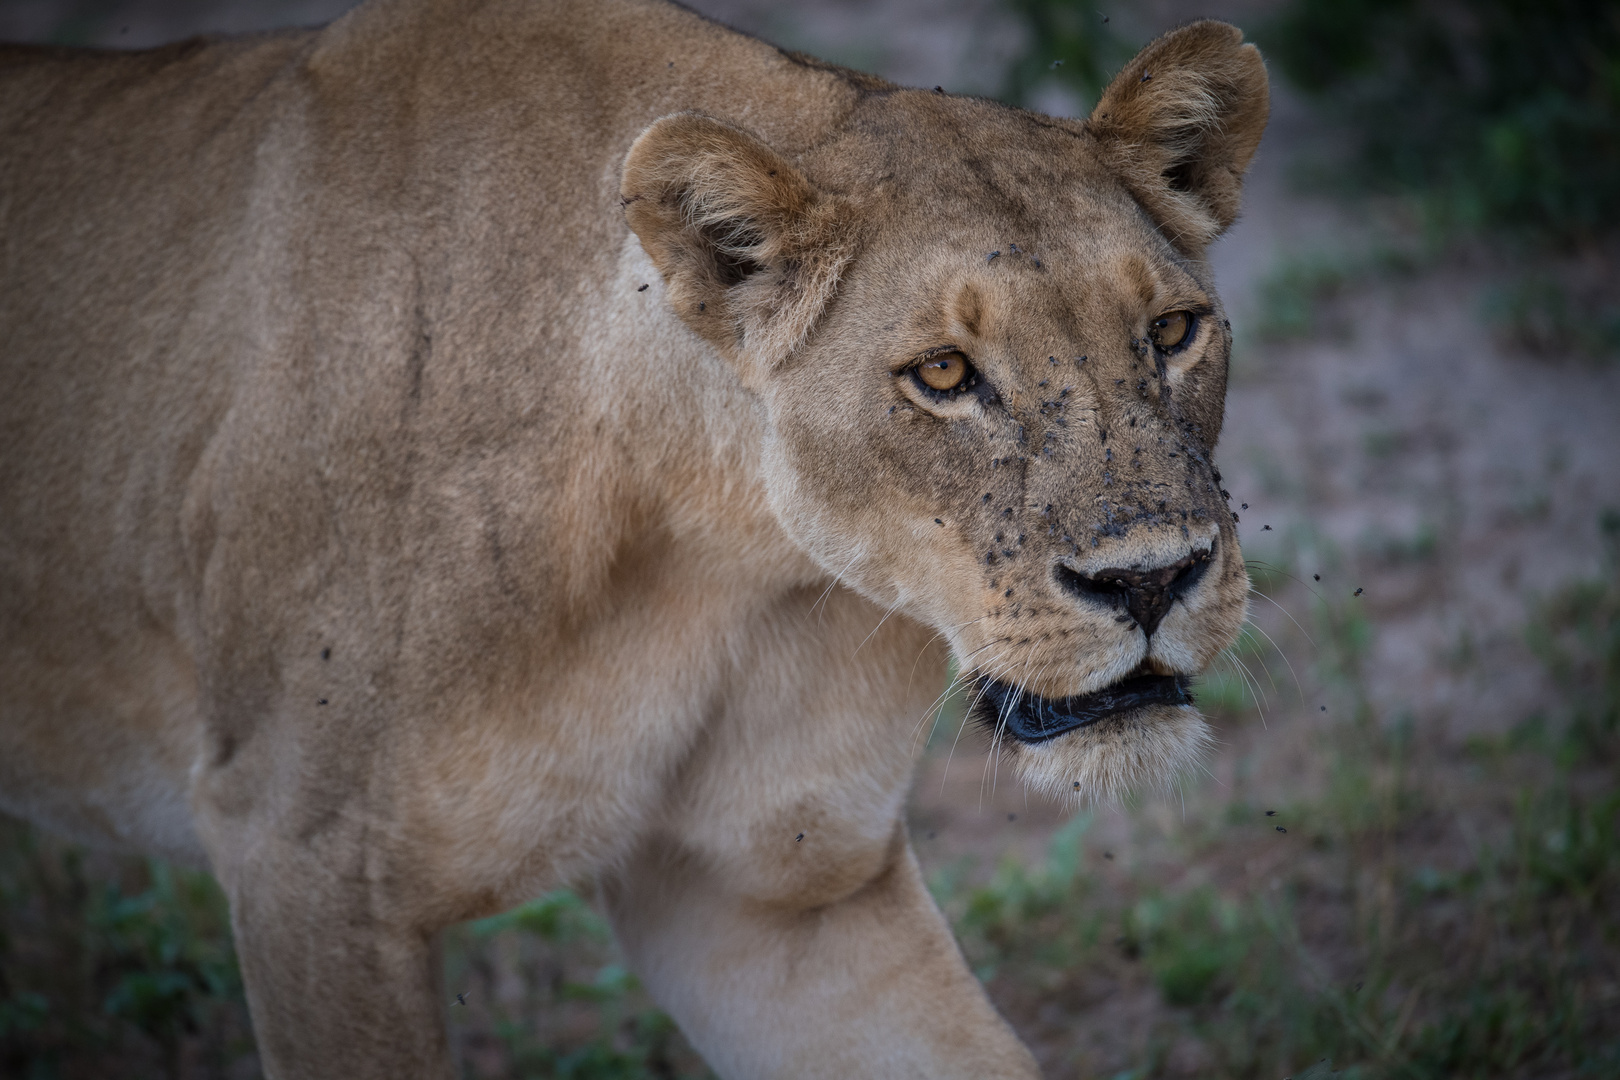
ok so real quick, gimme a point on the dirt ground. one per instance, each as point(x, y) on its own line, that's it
point(1398, 459)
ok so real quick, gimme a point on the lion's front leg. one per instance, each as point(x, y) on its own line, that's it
point(335, 988)
point(342, 976)
point(776, 910)
point(870, 986)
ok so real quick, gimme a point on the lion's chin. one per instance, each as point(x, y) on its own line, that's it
point(1137, 734)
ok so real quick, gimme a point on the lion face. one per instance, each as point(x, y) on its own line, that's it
point(1010, 437)
point(994, 367)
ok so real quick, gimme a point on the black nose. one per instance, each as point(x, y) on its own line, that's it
point(1146, 594)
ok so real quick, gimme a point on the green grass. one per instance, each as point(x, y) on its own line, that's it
point(112, 967)
point(1543, 313)
point(1496, 115)
point(549, 997)
point(125, 967)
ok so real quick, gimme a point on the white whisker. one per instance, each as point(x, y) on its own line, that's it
point(836, 579)
point(966, 714)
point(892, 609)
point(1254, 686)
point(1285, 660)
point(1284, 610)
point(1246, 629)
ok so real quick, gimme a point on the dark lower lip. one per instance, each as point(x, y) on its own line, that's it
point(1033, 719)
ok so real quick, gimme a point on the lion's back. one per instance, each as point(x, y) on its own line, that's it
point(120, 180)
point(257, 293)
point(123, 179)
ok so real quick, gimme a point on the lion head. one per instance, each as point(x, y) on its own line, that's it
point(993, 366)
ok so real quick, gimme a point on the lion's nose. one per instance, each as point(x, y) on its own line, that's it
point(1146, 594)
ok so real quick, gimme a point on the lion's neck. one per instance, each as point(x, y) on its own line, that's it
point(683, 500)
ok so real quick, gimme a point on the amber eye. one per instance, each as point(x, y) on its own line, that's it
point(944, 371)
point(1170, 329)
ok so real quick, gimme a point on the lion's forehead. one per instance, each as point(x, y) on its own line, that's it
point(941, 144)
point(1030, 298)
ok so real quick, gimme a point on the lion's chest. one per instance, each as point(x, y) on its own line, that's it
point(583, 753)
point(722, 729)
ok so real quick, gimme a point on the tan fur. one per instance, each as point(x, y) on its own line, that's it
point(369, 535)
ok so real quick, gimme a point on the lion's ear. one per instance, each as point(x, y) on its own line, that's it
point(750, 250)
point(1179, 125)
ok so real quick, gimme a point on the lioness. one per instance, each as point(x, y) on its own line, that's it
point(472, 448)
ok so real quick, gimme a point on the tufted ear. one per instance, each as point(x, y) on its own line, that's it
point(1180, 124)
point(749, 249)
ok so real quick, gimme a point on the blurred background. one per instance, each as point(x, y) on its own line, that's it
point(1402, 861)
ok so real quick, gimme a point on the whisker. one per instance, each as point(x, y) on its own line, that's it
point(1280, 572)
point(1284, 610)
point(937, 706)
point(1285, 660)
point(967, 713)
point(1011, 703)
point(936, 636)
point(1259, 705)
point(995, 752)
point(1243, 675)
point(963, 672)
point(964, 625)
point(912, 677)
point(1246, 629)
point(892, 609)
point(1232, 666)
point(1022, 689)
point(836, 579)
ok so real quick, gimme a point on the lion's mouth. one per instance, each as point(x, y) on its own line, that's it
point(1030, 718)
